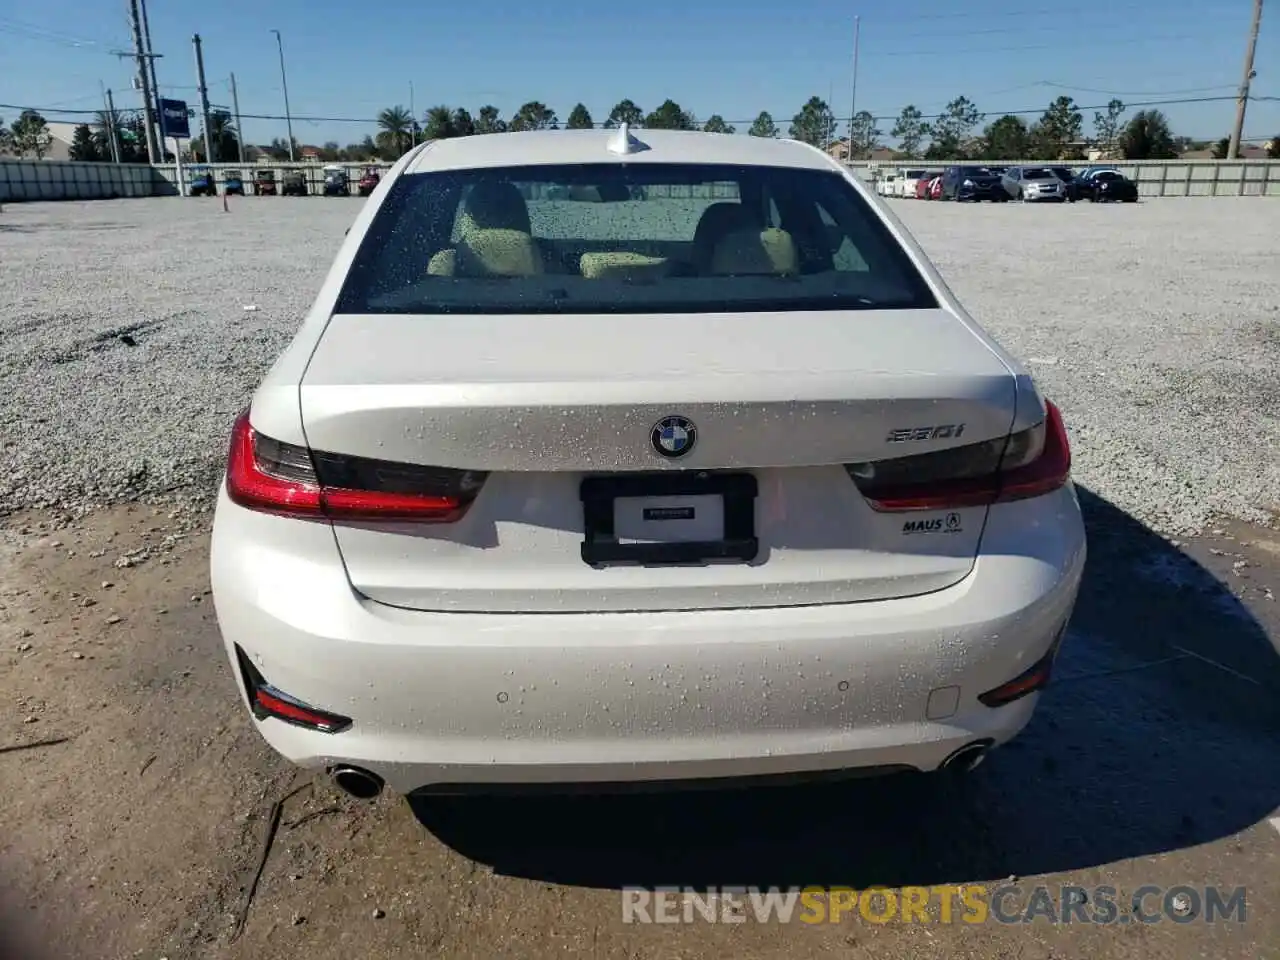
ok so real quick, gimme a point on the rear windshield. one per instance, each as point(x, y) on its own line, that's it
point(628, 238)
point(1038, 173)
point(914, 174)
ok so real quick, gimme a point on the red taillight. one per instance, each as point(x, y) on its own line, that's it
point(274, 477)
point(1026, 464)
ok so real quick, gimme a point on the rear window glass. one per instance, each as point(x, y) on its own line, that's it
point(1038, 173)
point(631, 238)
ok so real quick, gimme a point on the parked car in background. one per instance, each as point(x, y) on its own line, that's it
point(972, 183)
point(233, 183)
point(294, 184)
point(336, 182)
point(935, 187)
point(369, 181)
point(202, 183)
point(887, 186)
point(910, 179)
point(264, 183)
point(1105, 186)
point(1034, 184)
point(446, 558)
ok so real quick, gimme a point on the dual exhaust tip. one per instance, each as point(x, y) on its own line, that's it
point(967, 757)
point(355, 782)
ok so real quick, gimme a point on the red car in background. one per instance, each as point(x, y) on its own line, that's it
point(368, 182)
point(929, 187)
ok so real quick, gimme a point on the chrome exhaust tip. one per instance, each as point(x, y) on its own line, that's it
point(967, 757)
point(357, 783)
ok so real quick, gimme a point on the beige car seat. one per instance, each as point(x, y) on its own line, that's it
point(495, 236)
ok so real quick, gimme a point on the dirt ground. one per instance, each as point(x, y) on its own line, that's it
point(138, 797)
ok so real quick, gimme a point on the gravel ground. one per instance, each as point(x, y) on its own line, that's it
point(126, 347)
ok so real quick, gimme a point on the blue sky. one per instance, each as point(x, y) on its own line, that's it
point(734, 59)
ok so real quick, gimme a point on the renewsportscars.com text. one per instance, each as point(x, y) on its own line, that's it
point(970, 903)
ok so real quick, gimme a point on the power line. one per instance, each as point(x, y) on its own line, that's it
point(879, 117)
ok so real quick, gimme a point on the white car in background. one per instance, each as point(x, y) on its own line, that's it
point(696, 471)
point(887, 185)
point(908, 180)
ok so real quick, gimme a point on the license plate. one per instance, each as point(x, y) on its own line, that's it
point(680, 519)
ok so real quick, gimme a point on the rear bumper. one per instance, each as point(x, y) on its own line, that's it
point(501, 699)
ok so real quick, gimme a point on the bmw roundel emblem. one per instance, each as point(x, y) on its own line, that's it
point(673, 436)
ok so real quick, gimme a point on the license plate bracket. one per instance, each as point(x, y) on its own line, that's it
point(600, 544)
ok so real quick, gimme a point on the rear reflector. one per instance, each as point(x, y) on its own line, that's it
point(266, 701)
point(1034, 678)
point(268, 475)
point(1022, 465)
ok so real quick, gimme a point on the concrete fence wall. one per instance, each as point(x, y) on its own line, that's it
point(67, 180)
point(64, 180)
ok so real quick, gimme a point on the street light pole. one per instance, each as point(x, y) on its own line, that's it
point(288, 118)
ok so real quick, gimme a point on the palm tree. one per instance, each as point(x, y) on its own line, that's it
point(396, 122)
point(438, 123)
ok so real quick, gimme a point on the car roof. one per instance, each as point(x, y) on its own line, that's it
point(536, 147)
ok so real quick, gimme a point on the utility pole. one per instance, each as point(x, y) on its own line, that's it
point(284, 83)
point(141, 55)
point(151, 68)
point(413, 117)
point(235, 105)
point(210, 152)
point(112, 136)
point(853, 97)
point(1233, 149)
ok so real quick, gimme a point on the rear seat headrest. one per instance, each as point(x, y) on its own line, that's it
point(756, 252)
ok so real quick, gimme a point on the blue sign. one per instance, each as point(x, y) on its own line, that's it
point(173, 119)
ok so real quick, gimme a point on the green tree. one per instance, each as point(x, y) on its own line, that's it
point(4, 137)
point(1106, 126)
point(1058, 129)
point(226, 141)
point(625, 111)
point(951, 131)
point(490, 121)
point(1273, 148)
point(278, 149)
point(1147, 137)
point(437, 123)
point(910, 131)
point(814, 123)
point(580, 118)
point(396, 122)
point(763, 126)
point(1007, 139)
point(669, 116)
point(1221, 147)
point(864, 136)
point(82, 146)
point(30, 135)
point(463, 125)
point(331, 151)
point(715, 124)
point(534, 116)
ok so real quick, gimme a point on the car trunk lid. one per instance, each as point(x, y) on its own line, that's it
point(542, 404)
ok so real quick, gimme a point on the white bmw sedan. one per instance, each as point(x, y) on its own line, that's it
point(611, 458)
